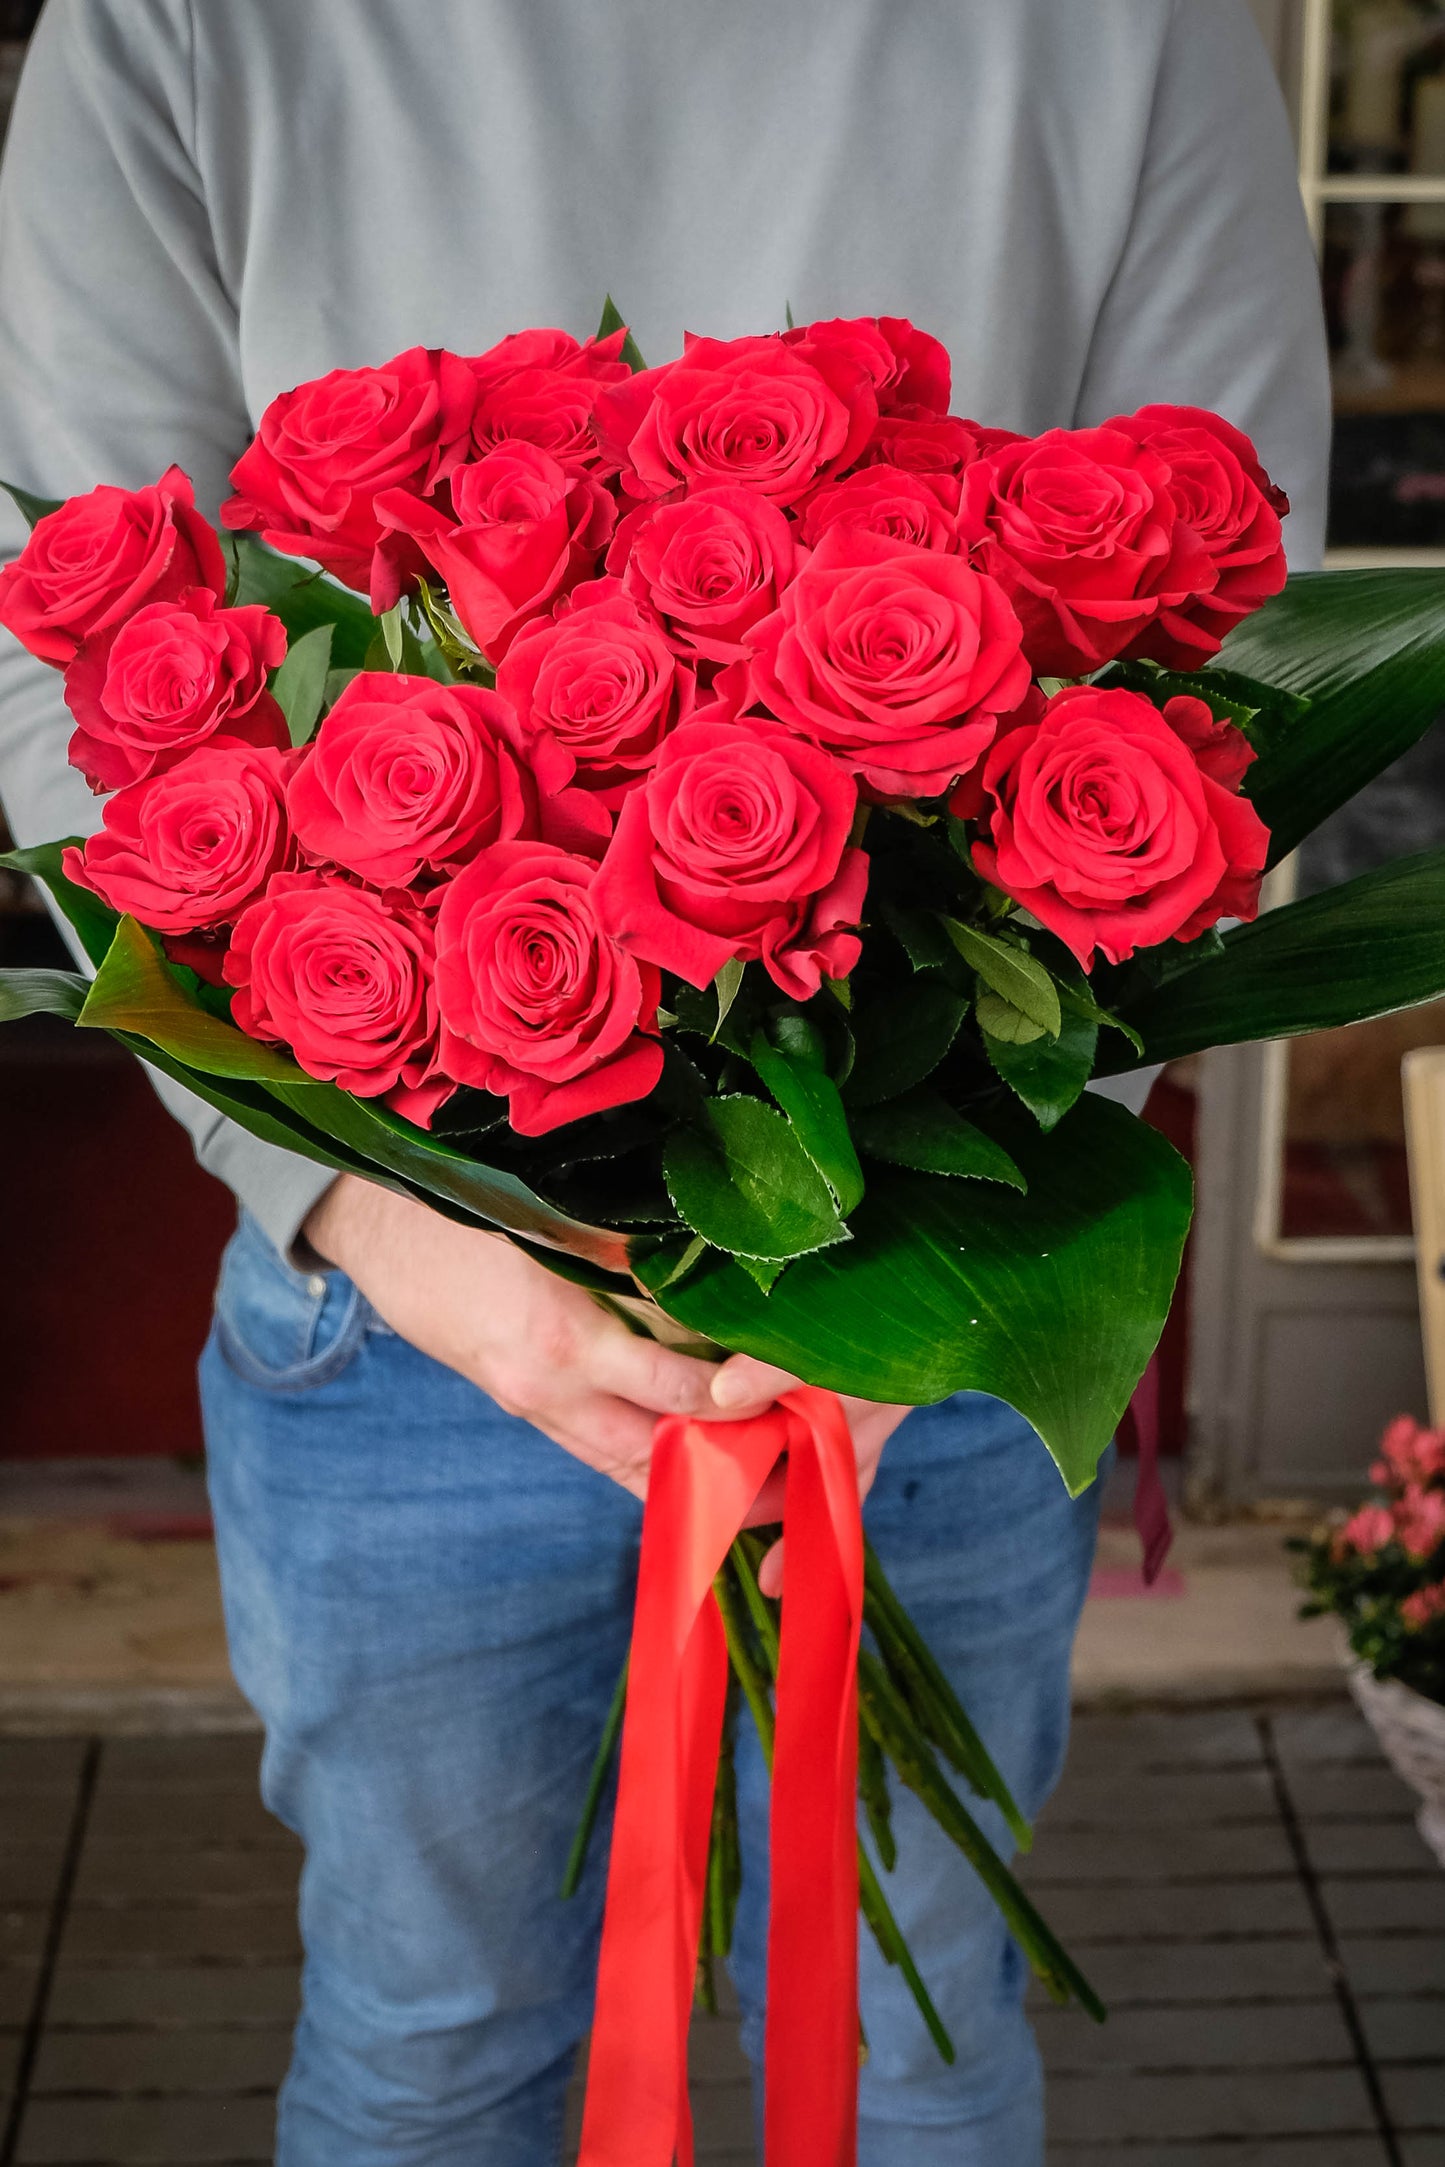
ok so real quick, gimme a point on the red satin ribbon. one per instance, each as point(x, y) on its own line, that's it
point(705, 1476)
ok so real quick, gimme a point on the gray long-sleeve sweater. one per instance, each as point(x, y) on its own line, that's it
point(203, 202)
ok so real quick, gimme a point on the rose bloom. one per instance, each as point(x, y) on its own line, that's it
point(1081, 528)
point(896, 659)
point(748, 411)
point(344, 977)
point(547, 348)
point(922, 442)
point(737, 845)
point(1223, 495)
point(95, 560)
point(523, 530)
point(710, 565)
point(905, 367)
point(538, 1000)
point(917, 508)
point(325, 450)
point(1424, 1607)
point(406, 777)
point(599, 684)
point(191, 847)
point(542, 388)
point(1105, 826)
point(1409, 1453)
point(174, 675)
point(1366, 1532)
point(1420, 1521)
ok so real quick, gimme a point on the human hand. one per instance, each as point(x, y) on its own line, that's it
point(737, 1386)
point(542, 1349)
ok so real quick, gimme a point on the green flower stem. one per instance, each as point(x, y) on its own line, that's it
point(607, 1746)
point(873, 1790)
point(904, 1646)
point(889, 1936)
point(751, 1680)
point(920, 1771)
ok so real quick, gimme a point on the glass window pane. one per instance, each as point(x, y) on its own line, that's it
point(1384, 275)
point(1387, 87)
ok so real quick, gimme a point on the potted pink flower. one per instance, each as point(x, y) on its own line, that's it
point(1382, 1571)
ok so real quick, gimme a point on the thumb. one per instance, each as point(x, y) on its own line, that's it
point(742, 1384)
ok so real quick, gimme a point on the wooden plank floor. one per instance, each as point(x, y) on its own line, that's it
point(1248, 1892)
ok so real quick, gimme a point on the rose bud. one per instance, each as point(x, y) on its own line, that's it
point(344, 978)
point(737, 845)
point(406, 777)
point(95, 560)
point(600, 683)
point(907, 368)
point(710, 565)
point(538, 1000)
point(191, 847)
point(1223, 495)
point(1099, 819)
point(175, 675)
point(325, 450)
point(525, 529)
point(897, 660)
point(1081, 529)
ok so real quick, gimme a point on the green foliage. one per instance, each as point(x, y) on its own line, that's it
point(1046, 1074)
point(922, 1130)
point(92, 921)
point(1367, 650)
point(797, 1076)
point(1375, 944)
point(901, 1034)
point(136, 991)
point(612, 320)
point(300, 685)
point(33, 509)
point(41, 993)
point(1009, 971)
point(741, 1178)
point(1053, 1300)
point(303, 600)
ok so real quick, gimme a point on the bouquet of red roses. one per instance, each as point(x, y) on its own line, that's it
point(711, 822)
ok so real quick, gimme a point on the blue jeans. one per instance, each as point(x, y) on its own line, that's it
point(429, 1603)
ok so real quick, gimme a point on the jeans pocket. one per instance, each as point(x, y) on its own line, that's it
point(282, 1329)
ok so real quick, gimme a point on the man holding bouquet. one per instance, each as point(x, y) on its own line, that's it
point(1094, 207)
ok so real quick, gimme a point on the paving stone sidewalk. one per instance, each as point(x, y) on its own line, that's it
point(1246, 1890)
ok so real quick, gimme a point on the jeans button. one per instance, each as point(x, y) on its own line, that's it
point(316, 1287)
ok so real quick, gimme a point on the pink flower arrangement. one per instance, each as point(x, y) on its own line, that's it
point(1382, 1569)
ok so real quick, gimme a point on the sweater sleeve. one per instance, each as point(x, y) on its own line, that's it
point(118, 356)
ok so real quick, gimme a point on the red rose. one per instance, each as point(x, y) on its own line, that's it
point(1223, 495)
point(896, 659)
point(1105, 825)
point(91, 563)
point(345, 978)
point(907, 507)
point(542, 388)
point(324, 451)
point(922, 442)
point(537, 999)
point(710, 566)
point(743, 410)
point(1081, 529)
point(192, 846)
point(737, 845)
point(174, 675)
point(599, 682)
point(407, 777)
point(905, 366)
point(524, 530)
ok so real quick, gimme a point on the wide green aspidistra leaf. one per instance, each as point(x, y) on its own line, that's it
point(1053, 1300)
point(41, 993)
point(1361, 950)
point(135, 990)
point(740, 1177)
point(92, 921)
point(1367, 650)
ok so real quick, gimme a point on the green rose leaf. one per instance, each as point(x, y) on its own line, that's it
point(299, 686)
point(743, 1181)
point(1010, 972)
point(303, 599)
point(1049, 1073)
point(922, 1130)
point(809, 1097)
point(901, 1036)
